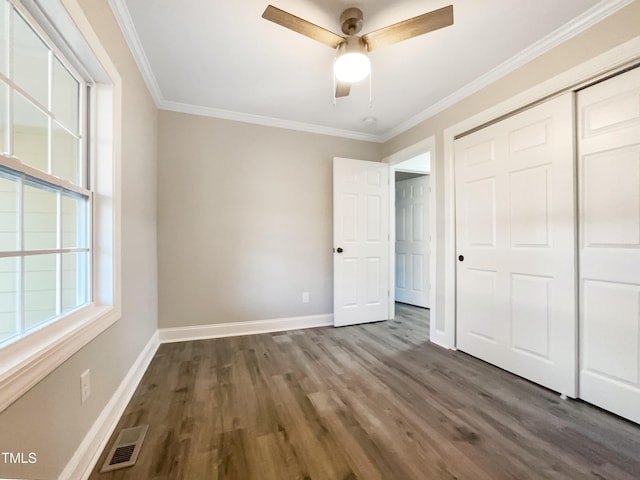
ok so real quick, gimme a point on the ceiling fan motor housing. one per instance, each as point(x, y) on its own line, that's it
point(352, 45)
point(351, 21)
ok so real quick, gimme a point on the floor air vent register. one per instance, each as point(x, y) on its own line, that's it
point(126, 448)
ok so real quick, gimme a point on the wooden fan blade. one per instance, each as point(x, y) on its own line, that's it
point(342, 89)
point(443, 17)
point(299, 25)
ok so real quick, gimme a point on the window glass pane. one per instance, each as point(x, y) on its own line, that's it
point(74, 222)
point(30, 132)
point(4, 115)
point(39, 288)
point(65, 100)
point(30, 60)
point(8, 213)
point(8, 297)
point(64, 153)
point(40, 124)
point(40, 218)
point(74, 280)
point(4, 36)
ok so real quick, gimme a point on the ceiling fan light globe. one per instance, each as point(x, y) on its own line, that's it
point(352, 67)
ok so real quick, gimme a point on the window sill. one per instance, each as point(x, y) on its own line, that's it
point(27, 360)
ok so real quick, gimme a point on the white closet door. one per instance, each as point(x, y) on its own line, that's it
point(609, 178)
point(515, 229)
point(412, 241)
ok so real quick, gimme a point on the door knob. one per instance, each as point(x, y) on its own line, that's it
point(461, 258)
point(339, 250)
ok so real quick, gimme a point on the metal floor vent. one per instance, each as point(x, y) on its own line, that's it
point(126, 448)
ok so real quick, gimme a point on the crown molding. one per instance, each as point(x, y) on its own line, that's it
point(267, 121)
point(125, 22)
point(589, 18)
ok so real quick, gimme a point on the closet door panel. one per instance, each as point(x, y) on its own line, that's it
point(516, 243)
point(609, 192)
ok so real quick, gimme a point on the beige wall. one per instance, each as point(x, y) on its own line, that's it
point(49, 419)
point(244, 220)
point(609, 33)
point(266, 235)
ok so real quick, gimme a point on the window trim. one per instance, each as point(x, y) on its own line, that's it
point(27, 360)
point(27, 175)
point(16, 165)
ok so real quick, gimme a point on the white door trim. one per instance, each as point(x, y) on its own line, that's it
point(426, 145)
point(606, 62)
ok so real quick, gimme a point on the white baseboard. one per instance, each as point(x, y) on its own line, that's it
point(88, 453)
point(440, 338)
point(201, 332)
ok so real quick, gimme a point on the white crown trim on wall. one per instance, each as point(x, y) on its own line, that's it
point(589, 18)
point(267, 121)
point(564, 33)
point(125, 22)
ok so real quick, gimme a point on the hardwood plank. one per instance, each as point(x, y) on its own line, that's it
point(370, 402)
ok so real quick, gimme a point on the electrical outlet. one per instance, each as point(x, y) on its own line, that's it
point(305, 297)
point(85, 385)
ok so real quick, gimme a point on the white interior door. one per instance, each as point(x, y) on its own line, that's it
point(515, 238)
point(609, 177)
point(412, 241)
point(361, 241)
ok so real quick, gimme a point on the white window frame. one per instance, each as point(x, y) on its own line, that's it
point(28, 175)
point(28, 359)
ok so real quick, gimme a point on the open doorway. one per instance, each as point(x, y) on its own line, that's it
point(413, 269)
point(412, 232)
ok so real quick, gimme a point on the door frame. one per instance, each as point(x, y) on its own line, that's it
point(427, 145)
point(607, 63)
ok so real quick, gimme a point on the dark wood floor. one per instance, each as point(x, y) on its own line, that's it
point(371, 402)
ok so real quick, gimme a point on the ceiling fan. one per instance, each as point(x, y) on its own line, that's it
point(352, 63)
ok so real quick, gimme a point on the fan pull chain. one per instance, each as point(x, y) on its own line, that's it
point(370, 81)
point(370, 90)
point(334, 80)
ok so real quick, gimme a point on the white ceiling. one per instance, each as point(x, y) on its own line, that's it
point(221, 58)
